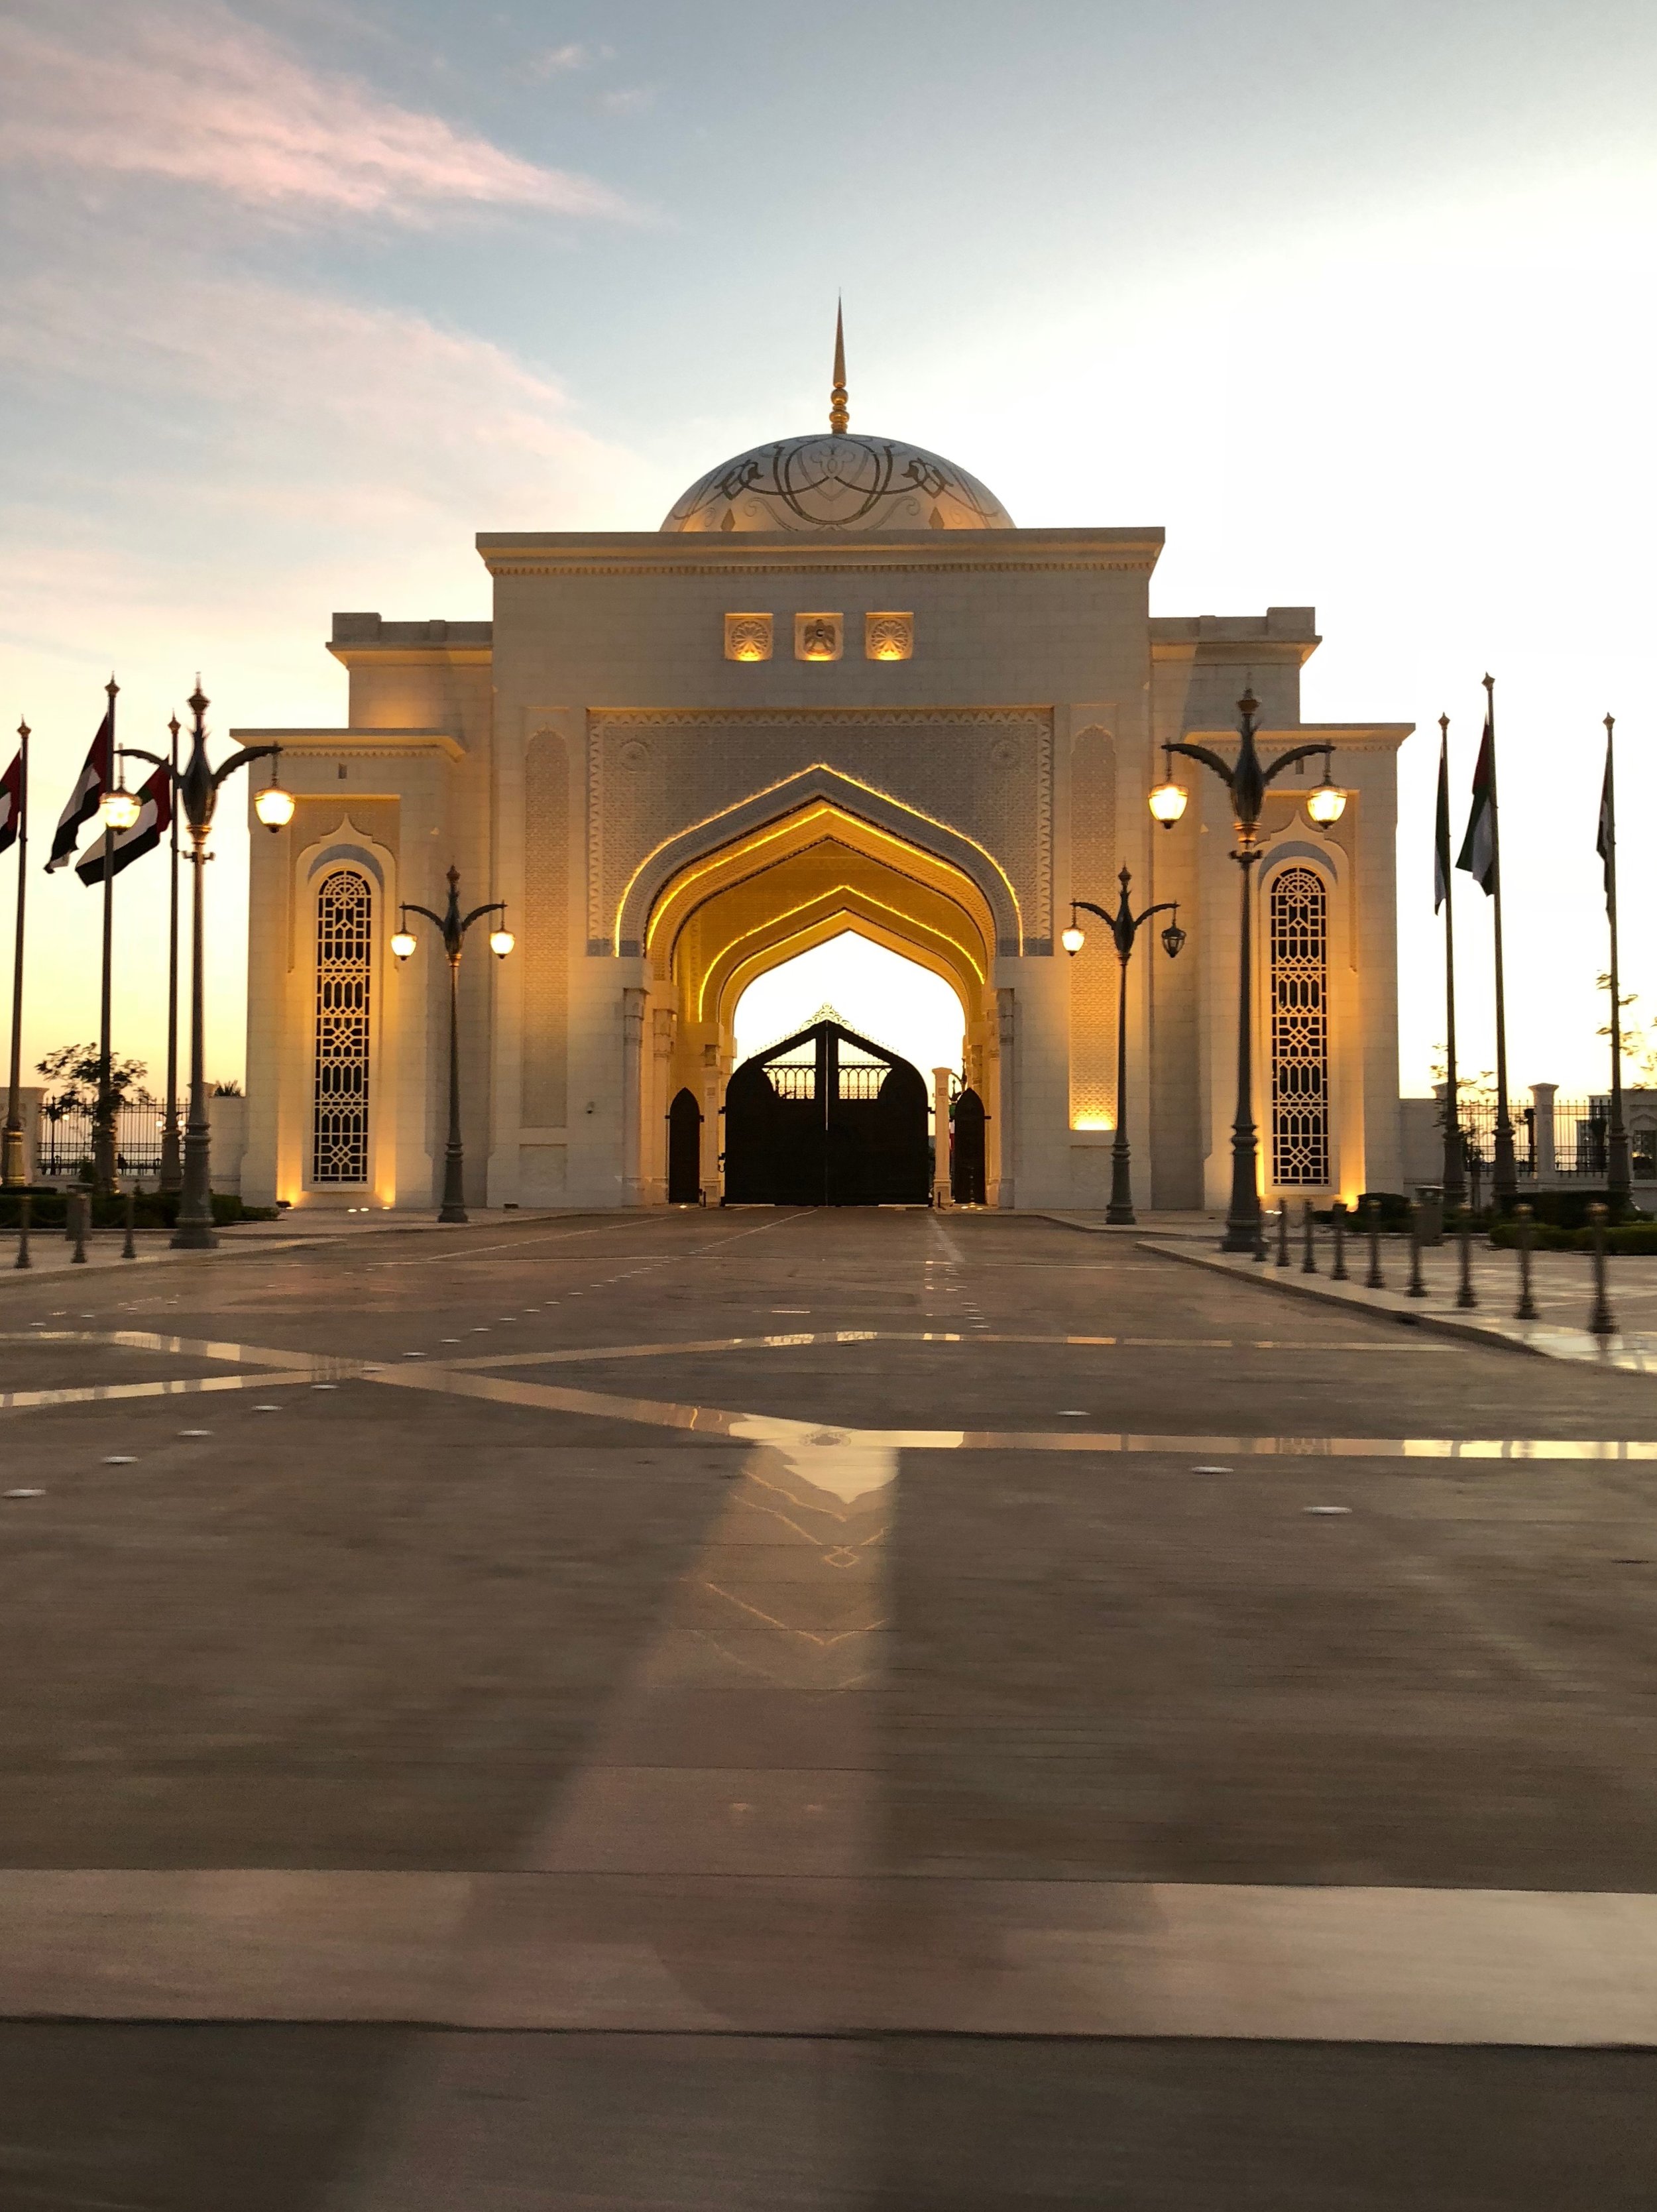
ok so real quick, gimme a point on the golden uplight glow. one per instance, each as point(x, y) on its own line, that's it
point(1093, 1122)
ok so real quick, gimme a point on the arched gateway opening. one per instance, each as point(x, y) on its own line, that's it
point(743, 908)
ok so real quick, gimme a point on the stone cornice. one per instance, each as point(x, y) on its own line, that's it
point(361, 744)
point(775, 553)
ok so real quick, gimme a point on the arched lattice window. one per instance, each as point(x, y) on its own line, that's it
point(339, 1142)
point(1300, 1029)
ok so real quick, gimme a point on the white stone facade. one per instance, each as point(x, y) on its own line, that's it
point(682, 756)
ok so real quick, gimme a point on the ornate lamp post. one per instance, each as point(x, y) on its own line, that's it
point(196, 786)
point(1124, 927)
point(453, 926)
point(1246, 779)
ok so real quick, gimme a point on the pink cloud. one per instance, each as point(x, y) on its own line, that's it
point(191, 93)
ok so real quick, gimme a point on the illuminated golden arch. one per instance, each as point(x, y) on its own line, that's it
point(869, 819)
point(744, 962)
point(792, 885)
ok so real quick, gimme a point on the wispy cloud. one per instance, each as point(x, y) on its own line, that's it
point(191, 93)
point(625, 100)
point(557, 59)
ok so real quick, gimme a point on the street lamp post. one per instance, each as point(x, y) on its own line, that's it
point(453, 926)
point(1124, 927)
point(197, 785)
point(1246, 779)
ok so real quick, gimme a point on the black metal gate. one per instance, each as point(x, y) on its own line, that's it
point(684, 1149)
point(967, 1150)
point(826, 1118)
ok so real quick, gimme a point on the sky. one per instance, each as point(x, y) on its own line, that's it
point(1356, 302)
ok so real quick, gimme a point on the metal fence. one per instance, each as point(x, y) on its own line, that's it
point(1569, 1144)
point(63, 1143)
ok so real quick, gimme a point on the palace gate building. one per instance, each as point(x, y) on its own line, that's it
point(838, 689)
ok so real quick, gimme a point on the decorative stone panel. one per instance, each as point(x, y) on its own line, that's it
point(544, 946)
point(748, 637)
point(1093, 977)
point(819, 636)
point(984, 775)
point(888, 637)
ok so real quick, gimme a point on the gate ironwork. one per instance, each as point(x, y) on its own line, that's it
point(827, 1118)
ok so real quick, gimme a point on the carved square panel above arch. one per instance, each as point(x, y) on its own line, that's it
point(984, 775)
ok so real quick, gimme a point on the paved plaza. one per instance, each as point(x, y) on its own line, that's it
point(776, 1711)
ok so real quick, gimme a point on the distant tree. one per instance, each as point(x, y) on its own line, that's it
point(71, 1073)
point(1639, 1038)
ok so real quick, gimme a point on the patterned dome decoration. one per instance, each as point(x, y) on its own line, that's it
point(839, 482)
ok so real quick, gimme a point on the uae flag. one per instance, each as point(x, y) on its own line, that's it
point(11, 803)
point(1441, 829)
point(155, 819)
point(1478, 853)
point(1605, 843)
point(96, 777)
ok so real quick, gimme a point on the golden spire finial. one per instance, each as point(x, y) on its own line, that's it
point(839, 416)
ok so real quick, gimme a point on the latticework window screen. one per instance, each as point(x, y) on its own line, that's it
point(1299, 919)
point(339, 1142)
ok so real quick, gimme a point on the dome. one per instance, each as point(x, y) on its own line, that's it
point(834, 482)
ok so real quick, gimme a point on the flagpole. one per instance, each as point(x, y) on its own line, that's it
point(1504, 1182)
point(12, 1162)
point(172, 1174)
point(1456, 1157)
point(103, 1140)
point(1619, 1182)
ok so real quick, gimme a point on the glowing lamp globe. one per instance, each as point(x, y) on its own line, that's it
point(275, 807)
point(501, 941)
point(120, 809)
point(1168, 802)
point(1327, 804)
point(1072, 939)
point(402, 944)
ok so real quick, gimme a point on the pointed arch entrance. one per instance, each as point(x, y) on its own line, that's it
point(742, 907)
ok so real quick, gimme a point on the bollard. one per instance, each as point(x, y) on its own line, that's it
point(1309, 1257)
point(77, 1258)
point(1600, 1320)
point(1465, 1295)
point(1417, 1288)
point(1375, 1280)
point(1283, 1234)
point(1338, 1222)
point(23, 1259)
point(1523, 1217)
point(129, 1250)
